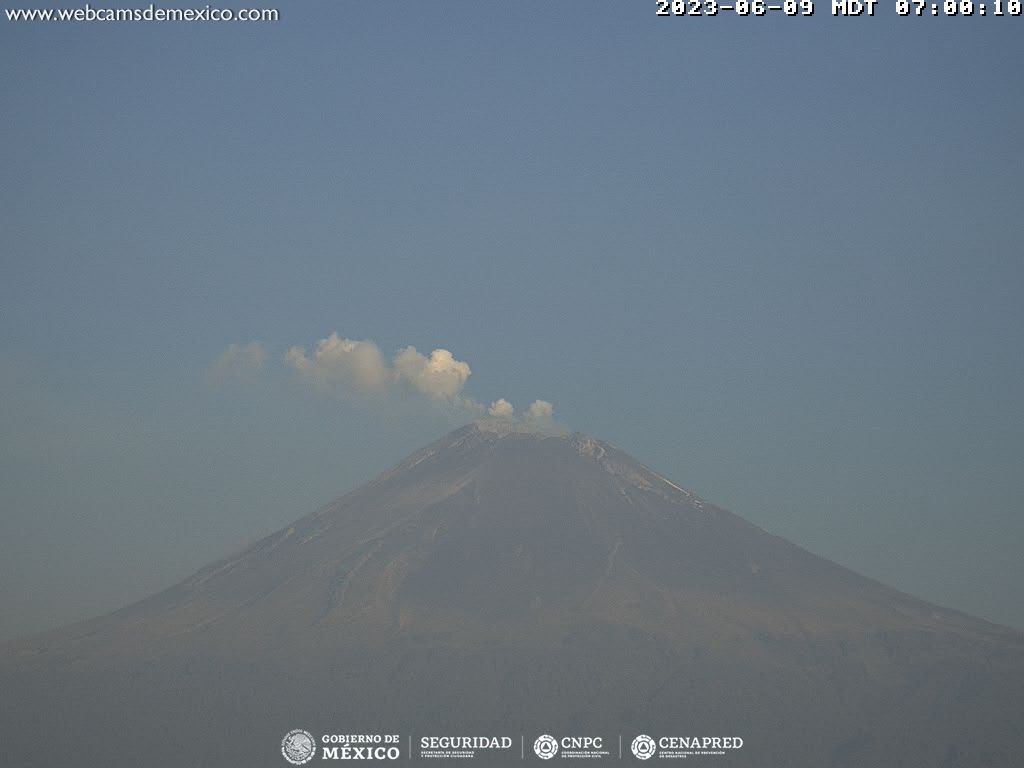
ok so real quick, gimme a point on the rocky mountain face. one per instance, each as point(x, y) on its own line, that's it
point(501, 581)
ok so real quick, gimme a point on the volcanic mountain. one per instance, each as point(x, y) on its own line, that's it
point(503, 581)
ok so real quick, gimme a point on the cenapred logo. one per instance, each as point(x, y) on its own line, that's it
point(546, 747)
point(298, 746)
point(643, 747)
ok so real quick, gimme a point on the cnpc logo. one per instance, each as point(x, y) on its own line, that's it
point(548, 746)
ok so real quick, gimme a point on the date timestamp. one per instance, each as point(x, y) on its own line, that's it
point(739, 7)
point(839, 7)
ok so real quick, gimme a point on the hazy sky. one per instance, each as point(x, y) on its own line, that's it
point(779, 260)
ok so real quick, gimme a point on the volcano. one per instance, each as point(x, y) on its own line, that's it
point(505, 581)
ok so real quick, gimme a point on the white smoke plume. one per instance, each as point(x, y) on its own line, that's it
point(540, 412)
point(355, 365)
point(501, 409)
point(351, 367)
point(440, 376)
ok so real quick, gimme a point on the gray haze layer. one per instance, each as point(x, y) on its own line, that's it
point(502, 580)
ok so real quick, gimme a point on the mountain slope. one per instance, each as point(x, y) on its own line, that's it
point(505, 580)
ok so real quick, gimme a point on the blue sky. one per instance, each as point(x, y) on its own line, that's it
point(777, 259)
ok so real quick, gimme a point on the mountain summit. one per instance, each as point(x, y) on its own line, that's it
point(507, 579)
